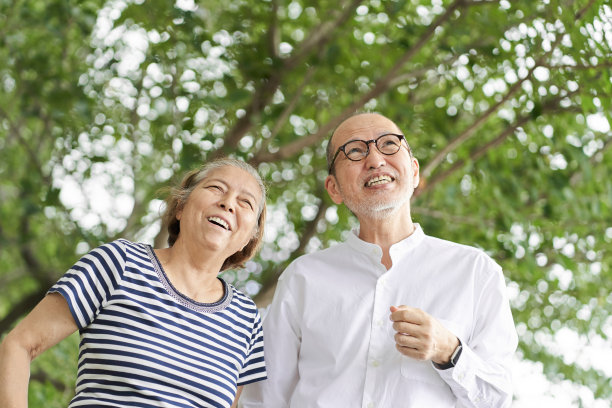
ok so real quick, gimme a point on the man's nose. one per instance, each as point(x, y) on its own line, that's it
point(374, 159)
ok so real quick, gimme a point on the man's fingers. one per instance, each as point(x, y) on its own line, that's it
point(411, 352)
point(407, 314)
point(407, 328)
point(413, 346)
point(405, 340)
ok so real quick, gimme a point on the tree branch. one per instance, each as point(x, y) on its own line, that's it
point(593, 160)
point(321, 34)
point(606, 64)
point(427, 185)
point(43, 377)
point(583, 10)
point(469, 132)
point(262, 95)
point(381, 86)
point(282, 119)
point(481, 2)
point(15, 132)
point(22, 307)
point(482, 150)
point(139, 206)
point(266, 292)
point(273, 32)
point(455, 219)
point(34, 267)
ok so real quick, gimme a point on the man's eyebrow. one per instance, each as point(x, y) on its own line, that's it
point(379, 134)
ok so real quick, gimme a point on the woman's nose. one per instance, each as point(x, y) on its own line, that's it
point(225, 204)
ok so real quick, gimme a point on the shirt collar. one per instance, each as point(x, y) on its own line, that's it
point(397, 250)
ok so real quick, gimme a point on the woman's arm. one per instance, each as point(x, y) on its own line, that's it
point(238, 392)
point(46, 325)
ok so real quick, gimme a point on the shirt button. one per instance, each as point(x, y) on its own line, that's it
point(371, 405)
point(375, 363)
point(380, 322)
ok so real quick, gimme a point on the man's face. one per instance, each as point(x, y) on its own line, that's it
point(379, 184)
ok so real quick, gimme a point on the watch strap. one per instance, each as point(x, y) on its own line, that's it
point(453, 359)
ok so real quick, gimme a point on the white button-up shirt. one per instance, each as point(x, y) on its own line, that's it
point(329, 340)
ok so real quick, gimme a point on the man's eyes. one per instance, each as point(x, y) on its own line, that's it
point(355, 149)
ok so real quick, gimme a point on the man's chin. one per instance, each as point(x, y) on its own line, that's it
point(376, 210)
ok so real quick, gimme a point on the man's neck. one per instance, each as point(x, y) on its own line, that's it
point(386, 231)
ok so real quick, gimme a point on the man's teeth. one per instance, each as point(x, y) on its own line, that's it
point(378, 180)
point(219, 221)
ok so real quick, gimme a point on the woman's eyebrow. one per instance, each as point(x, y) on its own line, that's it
point(246, 192)
point(216, 180)
point(242, 191)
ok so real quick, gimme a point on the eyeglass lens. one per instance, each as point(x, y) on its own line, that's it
point(358, 149)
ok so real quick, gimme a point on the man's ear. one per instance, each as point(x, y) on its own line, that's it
point(331, 185)
point(416, 172)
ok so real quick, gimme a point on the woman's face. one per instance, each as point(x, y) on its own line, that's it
point(222, 210)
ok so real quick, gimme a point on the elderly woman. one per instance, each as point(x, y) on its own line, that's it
point(159, 327)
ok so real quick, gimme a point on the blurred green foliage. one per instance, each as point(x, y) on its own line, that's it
point(505, 104)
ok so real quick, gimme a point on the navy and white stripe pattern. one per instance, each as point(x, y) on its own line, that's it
point(143, 344)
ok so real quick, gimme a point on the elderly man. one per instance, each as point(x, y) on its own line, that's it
point(391, 317)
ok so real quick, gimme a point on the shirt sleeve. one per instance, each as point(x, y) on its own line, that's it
point(90, 282)
point(482, 376)
point(254, 368)
point(283, 338)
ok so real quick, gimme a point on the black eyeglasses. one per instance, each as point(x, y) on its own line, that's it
point(356, 150)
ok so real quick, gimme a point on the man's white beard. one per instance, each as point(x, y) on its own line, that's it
point(375, 207)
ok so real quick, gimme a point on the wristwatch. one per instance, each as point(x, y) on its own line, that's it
point(453, 360)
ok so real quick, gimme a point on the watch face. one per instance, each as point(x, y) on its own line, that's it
point(456, 354)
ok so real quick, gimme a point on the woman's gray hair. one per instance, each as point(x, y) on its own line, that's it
point(178, 195)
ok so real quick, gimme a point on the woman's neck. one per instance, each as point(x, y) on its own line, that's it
point(194, 274)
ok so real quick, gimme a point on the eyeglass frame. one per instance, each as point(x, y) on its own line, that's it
point(367, 142)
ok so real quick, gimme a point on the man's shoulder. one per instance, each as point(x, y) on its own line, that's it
point(451, 248)
point(332, 252)
point(319, 260)
point(444, 243)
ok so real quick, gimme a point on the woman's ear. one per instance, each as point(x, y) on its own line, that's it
point(179, 209)
point(331, 185)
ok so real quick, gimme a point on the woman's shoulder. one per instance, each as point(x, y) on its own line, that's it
point(119, 253)
point(126, 248)
point(242, 300)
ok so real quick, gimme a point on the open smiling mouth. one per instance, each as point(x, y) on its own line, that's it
point(218, 221)
point(379, 180)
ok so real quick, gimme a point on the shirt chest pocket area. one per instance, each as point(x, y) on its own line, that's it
point(424, 370)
